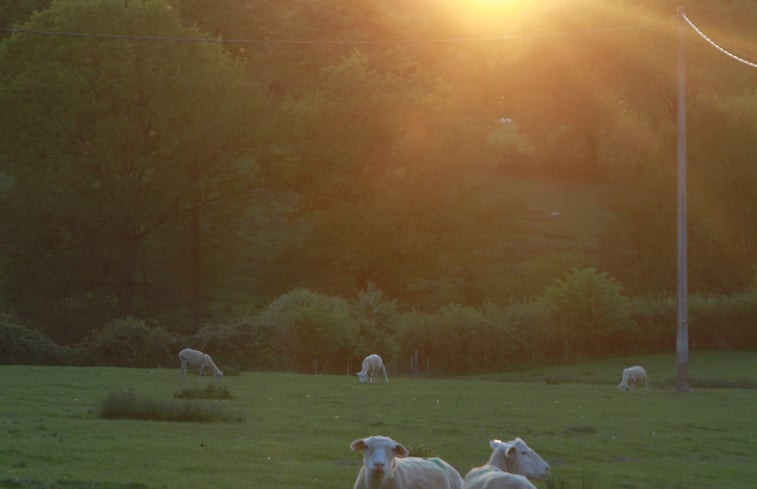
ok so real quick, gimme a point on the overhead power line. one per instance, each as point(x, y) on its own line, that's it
point(715, 45)
point(448, 40)
point(506, 37)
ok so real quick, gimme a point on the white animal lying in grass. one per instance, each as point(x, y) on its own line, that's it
point(633, 377)
point(508, 466)
point(387, 466)
point(196, 359)
point(372, 364)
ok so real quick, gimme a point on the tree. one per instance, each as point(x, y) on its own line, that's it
point(13, 11)
point(132, 161)
point(385, 193)
point(722, 202)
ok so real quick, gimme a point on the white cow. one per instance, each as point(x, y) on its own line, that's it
point(508, 467)
point(633, 377)
point(387, 466)
point(196, 359)
point(371, 365)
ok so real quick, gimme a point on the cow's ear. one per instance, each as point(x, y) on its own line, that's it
point(511, 450)
point(400, 450)
point(358, 445)
point(494, 443)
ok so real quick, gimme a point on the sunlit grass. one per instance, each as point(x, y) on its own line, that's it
point(297, 428)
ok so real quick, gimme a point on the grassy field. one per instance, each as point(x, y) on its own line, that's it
point(295, 430)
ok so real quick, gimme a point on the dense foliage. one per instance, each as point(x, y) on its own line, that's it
point(20, 344)
point(129, 342)
point(352, 176)
point(584, 315)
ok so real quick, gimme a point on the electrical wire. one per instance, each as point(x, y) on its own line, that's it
point(715, 45)
point(506, 37)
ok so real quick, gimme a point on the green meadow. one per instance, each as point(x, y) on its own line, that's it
point(283, 430)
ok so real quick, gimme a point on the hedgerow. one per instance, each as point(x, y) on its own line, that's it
point(584, 315)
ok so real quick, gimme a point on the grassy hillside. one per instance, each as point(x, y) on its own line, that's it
point(561, 214)
point(296, 429)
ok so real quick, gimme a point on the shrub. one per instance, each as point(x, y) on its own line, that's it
point(319, 332)
point(22, 345)
point(525, 329)
point(130, 342)
point(723, 322)
point(655, 317)
point(588, 315)
point(465, 340)
point(456, 339)
point(247, 343)
point(376, 319)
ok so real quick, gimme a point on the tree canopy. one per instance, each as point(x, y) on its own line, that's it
point(130, 161)
point(184, 159)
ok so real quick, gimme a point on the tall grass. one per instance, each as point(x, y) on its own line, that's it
point(127, 405)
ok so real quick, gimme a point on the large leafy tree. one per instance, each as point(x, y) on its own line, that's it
point(130, 158)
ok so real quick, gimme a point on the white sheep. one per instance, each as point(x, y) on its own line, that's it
point(508, 467)
point(371, 365)
point(387, 466)
point(633, 377)
point(196, 359)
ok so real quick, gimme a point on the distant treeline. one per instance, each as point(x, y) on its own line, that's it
point(582, 316)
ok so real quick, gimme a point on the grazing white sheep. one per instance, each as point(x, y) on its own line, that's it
point(371, 365)
point(387, 466)
point(508, 467)
point(633, 377)
point(196, 359)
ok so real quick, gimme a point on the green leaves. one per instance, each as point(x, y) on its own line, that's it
point(587, 310)
point(120, 147)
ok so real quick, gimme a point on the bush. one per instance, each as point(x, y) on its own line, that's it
point(465, 340)
point(22, 345)
point(130, 342)
point(525, 329)
point(319, 332)
point(655, 317)
point(588, 315)
point(247, 343)
point(457, 340)
point(715, 322)
point(723, 322)
point(376, 319)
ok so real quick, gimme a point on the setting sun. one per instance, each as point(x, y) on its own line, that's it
point(488, 17)
point(497, 6)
